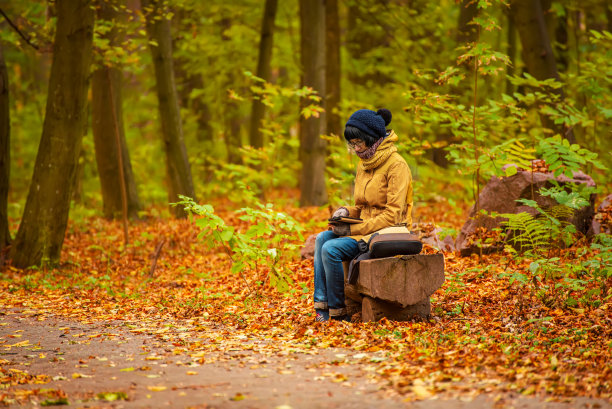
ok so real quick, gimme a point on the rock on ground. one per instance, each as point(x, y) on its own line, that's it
point(500, 195)
point(307, 251)
point(602, 222)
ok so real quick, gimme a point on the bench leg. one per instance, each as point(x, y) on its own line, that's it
point(373, 309)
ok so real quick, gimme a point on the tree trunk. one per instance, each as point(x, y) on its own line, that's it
point(107, 122)
point(537, 50)
point(232, 134)
point(263, 70)
point(467, 32)
point(312, 146)
point(332, 68)
point(562, 41)
point(511, 52)
point(359, 44)
point(187, 81)
point(41, 232)
point(5, 153)
point(177, 163)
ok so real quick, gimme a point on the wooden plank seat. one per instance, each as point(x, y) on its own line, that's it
point(397, 288)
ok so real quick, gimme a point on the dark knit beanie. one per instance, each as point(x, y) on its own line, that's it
point(372, 123)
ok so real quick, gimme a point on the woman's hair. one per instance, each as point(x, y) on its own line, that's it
point(352, 132)
point(367, 125)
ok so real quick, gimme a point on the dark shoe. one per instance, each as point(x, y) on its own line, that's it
point(341, 318)
point(322, 315)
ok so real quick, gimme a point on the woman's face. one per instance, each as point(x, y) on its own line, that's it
point(358, 145)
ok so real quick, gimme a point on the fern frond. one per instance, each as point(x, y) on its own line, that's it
point(527, 232)
point(521, 155)
point(561, 212)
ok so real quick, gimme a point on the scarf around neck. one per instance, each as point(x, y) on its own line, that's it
point(383, 148)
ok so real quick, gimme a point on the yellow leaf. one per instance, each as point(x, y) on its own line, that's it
point(238, 397)
point(20, 344)
point(529, 391)
point(192, 373)
point(156, 388)
point(421, 391)
point(554, 362)
point(339, 378)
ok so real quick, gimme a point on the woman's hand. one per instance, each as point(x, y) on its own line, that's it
point(341, 229)
point(341, 212)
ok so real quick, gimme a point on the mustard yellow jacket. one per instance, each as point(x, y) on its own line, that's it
point(383, 191)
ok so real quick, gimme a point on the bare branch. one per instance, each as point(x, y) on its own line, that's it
point(22, 35)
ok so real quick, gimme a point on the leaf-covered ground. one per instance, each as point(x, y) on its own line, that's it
point(486, 335)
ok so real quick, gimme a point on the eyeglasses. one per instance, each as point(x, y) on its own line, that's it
point(356, 144)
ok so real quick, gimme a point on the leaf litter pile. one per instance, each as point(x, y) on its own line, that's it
point(486, 333)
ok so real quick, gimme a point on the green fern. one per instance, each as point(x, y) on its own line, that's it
point(512, 152)
point(526, 232)
point(520, 154)
point(561, 212)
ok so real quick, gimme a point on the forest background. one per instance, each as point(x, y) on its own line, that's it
point(245, 103)
point(458, 123)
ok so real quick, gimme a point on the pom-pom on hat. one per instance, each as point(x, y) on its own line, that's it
point(372, 123)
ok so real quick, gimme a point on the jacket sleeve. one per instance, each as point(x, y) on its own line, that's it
point(399, 182)
point(354, 211)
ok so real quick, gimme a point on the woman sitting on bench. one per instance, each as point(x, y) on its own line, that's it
point(383, 198)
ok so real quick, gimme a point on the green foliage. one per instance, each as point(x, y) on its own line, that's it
point(525, 231)
point(565, 158)
point(263, 247)
point(243, 182)
point(552, 280)
point(112, 48)
point(416, 68)
point(575, 198)
point(277, 159)
point(600, 266)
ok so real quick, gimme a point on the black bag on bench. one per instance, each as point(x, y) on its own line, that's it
point(394, 244)
point(388, 242)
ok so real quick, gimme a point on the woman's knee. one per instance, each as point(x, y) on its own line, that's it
point(330, 251)
point(323, 237)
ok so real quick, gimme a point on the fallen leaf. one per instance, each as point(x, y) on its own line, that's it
point(112, 396)
point(238, 397)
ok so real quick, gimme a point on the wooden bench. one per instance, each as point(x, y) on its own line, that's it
point(397, 288)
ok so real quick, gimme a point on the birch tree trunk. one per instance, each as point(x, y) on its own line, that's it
point(107, 122)
point(177, 163)
point(312, 147)
point(41, 232)
point(5, 153)
point(263, 70)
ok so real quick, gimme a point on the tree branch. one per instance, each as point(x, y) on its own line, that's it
point(25, 38)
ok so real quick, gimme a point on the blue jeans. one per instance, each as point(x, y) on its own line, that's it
point(330, 252)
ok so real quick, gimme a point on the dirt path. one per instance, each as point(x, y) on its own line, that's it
point(90, 365)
